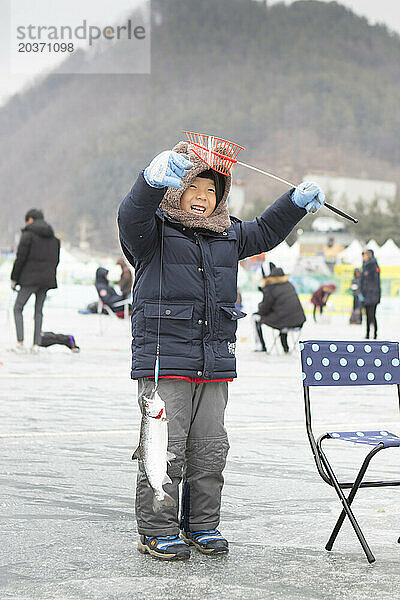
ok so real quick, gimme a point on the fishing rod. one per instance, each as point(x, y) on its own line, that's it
point(220, 155)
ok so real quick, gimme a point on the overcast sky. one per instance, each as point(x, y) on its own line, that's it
point(49, 12)
point(376, 11)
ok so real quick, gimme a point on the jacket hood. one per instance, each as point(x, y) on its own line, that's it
point(276, 275)
point(219, 219)
point(41, 228)
point(272, 280)
point(101, 275)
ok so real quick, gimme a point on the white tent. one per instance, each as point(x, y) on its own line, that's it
point(283, 255)
point(352, 254)
point(389, 254)
point(372, 245)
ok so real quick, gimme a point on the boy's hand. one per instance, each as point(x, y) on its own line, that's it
point(167, 170)
point(308, 195)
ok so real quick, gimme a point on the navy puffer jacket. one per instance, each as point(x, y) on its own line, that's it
point(199, 289)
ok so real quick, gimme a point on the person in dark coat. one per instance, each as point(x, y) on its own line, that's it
point(370, 289)
point(320, 297)
point(34, 270)
point(108, 295)
point(125, 282)
point(280, 307)
point(176, 231)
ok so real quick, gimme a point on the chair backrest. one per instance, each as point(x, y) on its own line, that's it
point(341, 363)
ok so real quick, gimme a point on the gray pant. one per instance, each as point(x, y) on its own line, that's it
point(23, 296)
point(197, 437)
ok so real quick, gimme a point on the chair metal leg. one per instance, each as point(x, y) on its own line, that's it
point(274, 342)
point(346, 508)
point(295, 340)
point(352, 494)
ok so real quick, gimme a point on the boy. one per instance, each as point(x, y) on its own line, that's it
point(176, 231)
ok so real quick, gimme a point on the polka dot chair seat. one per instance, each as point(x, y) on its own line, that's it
point(349, 363)
point(372, 438)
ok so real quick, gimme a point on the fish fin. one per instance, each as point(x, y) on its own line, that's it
point(161, 502)
point(137, 455)
point(170, 456)
point(167, 479)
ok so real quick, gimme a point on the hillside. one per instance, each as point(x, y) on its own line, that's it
point(304, 87)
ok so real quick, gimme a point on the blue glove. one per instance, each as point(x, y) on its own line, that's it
point(167, 170)
point(308, 195)
point(361, 298)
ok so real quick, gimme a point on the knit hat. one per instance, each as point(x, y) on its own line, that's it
point(219, 182)
point(219, 219)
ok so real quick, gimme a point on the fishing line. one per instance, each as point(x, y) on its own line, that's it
point(157, 363)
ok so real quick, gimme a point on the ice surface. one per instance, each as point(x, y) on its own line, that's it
point(67, 429)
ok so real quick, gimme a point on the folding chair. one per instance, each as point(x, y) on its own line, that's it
point(327, 363)
point(108, 311)
point(293, 334)
point(124, 304)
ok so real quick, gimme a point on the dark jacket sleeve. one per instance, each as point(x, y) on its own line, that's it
point(23, 249)
point(136, 220)
point(267, 231)
point(58, 252)
point(265, 306)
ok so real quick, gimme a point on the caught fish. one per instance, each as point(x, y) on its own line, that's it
point(152, 449)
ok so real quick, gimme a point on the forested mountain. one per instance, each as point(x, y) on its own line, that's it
point(303, 87)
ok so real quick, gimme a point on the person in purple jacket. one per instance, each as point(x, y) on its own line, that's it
point(176, 231)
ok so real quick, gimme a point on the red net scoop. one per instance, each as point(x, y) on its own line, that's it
point(217, 153)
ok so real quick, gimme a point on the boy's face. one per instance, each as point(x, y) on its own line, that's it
point(200, 197)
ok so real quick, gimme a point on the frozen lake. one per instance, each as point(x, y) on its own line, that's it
point(68, 426)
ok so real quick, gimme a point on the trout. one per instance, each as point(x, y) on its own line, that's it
point(152, 449)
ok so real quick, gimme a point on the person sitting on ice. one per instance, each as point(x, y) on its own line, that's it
point(107, 294)
point(48, 338)
point(176, 231)
point(280, 308)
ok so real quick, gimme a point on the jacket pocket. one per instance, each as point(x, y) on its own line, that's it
point(176, 326)
point(228, 317)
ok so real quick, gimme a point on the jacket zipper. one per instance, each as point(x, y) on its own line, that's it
point(207, 320)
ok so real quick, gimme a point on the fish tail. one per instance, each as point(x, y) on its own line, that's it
point(137, 455)
point(162, 501)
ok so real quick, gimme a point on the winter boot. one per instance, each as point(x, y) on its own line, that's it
point(72, 344)
point(208, 542)
point(167, 548)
